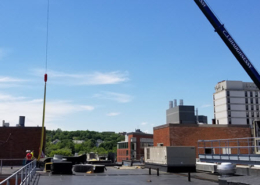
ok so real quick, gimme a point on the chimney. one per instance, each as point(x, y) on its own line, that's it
point(197, 115)
point(170, 104)
point(175, 103)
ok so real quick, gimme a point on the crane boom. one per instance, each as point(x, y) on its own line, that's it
point(230, 42)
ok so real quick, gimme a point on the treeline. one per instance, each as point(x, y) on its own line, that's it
point(67, 147)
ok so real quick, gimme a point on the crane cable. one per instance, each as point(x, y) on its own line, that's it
point(45, 81)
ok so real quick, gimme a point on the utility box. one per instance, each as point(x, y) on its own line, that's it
point(171, 158)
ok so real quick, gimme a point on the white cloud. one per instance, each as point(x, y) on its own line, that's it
point(10, 110)
point(93, 78)
point(5, 79)
point(113, 114)
point(121, 98)
point(7, 82)
point(144, 123)
point(206, 105)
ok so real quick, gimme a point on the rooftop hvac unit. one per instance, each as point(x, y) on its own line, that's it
point(6, 124)
point(21, 121)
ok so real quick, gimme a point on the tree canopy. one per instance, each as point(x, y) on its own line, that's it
point(67, 147)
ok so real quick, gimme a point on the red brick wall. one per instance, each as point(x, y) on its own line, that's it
point(161, 135)
point(21, 139)
point(188, 135)
point(121, 155)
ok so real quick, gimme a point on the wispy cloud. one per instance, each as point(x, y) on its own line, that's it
point(206, 105)
point(113, 114)
point(10, 110)
point(121, 98)
point(93, 78)
point(144, 123)
point(5, 79)
point(7, 82)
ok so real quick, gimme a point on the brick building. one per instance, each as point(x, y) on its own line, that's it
point(14, 141)
point(189, 134)
point(133, 146)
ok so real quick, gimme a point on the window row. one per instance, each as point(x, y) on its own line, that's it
point(248, 93)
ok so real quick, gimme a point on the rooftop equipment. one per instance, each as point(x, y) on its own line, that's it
point(21, 121)
point(171, 158)
point(175, 103)
point(170, 104)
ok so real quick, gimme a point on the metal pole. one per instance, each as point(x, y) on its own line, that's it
point(238, 149)
point(149, 171)
point(22, 176)
point(228, 149)
point(157, 171)
point(189, 176)
point(1, 165)
point(248, 146)
point(16, 179)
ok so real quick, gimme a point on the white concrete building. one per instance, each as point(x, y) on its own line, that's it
point(236, 102)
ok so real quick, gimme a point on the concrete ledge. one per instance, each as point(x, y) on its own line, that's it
point(208, 167)
point(247, 171)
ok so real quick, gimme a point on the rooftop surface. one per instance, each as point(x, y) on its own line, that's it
point(115, 176)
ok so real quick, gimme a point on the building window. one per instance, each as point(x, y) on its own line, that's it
point(247, 121)
point(247, 114)
point(147, 153)
point(126, 152)
point(228, 107)
point(252, 107)
point(246, 107)
point(146, 144)
point(226, 150)
point(246, 100)
point(122, 145)
point(229, 114)
point(251, 100)
point(209, 151)
point(159, 144)
point(251, 94)
point(229, 121)
point(245, 94)
point(256, 101)
point(256, 94)
point(228, 93)
point(228, 100)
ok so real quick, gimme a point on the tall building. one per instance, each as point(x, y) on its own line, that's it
point(236, 102)
point(133, 146)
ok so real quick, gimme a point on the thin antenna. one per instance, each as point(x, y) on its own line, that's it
point(47, 37)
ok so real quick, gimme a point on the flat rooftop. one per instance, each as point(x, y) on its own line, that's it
point(114, 176)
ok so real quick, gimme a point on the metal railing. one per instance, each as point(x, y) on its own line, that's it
point(11, 163)
point(25, 175)
point(238, 150)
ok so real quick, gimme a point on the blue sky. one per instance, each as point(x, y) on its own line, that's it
point(114, 65)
